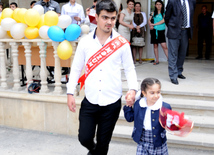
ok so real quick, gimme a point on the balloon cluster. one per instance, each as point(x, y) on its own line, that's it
point(33, 23)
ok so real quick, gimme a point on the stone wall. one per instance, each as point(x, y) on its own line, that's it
point(47, 113)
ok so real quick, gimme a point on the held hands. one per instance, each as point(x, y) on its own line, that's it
point(131, 26)
point(130, 98)
point(71, 103)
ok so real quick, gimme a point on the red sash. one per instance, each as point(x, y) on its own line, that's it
point(101, 55)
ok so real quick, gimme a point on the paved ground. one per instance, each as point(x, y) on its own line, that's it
point(27, 142)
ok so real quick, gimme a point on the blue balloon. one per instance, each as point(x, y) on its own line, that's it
point(72, 32)
point(55, 33)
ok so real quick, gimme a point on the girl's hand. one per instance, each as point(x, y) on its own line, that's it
point(130, 97)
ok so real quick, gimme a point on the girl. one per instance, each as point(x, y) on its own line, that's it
point(157, 28)
point(148, 132)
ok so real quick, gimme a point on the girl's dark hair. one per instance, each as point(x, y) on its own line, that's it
point(107, 5)
point(130, 1)
point(148, 82)
point(162, 9)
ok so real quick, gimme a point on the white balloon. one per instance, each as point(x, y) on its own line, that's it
point(7, 23)
point(3, 33)
point(39, 8)
point(85, 29)
point(18, 30)
point(64, 21)
point(43, 32)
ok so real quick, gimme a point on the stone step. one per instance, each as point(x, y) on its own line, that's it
point(192, 107)
point(203, 141)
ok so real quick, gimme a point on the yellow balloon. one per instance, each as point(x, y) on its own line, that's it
point(51, 18)
point(31, 32)
point(64, 50)
point(41, 21)
point(21, 14)
point(32, 17)
point(7, 13)
point(15, 15)
point(8, 33)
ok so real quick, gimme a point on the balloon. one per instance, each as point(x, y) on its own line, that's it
point(43, 32)
point(72, 32)
point(7, 23)
point(9, 35)
point(18, 30)
point(51, 18)
point(41, 21)
point(32, 32)
point(32, 17)
point(39, 9)
point(3, 33)
point(15, 15)
point(64, 50)
point(7, 13)
point(21, 14)
point(64, 21)
point(85, 29)
point(55, 33)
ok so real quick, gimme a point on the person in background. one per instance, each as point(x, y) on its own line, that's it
point(1, 7)
point(148, 132)
point(158, 30)
point(101, 106)
point(32, 4)
point(13, 5)
point(138, 33)
point(204, 33)
point(75, 11)
point(118, 16)
point(126, 18)
point(49, 5)
point(91, 11)
point(179, 20)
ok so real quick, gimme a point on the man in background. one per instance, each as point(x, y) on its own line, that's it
point(13, 5)
point(49, 5)
point(204, 33)
point(179, 20)
point(75, 11)
point(32, 4)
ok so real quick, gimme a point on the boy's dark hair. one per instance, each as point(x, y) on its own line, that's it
point(130, 1)
point(31, 3)
point(95, 1)
point(162, 9)
point(14, 3)
point(108, 5)
point(1, 3)
point(148, 82)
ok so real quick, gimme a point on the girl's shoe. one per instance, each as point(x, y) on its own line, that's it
point(155, 63)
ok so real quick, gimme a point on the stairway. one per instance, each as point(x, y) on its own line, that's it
point(198, 107)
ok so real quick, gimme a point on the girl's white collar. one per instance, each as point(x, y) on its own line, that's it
point(156, 106)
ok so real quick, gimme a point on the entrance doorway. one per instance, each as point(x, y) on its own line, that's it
point(193, 49)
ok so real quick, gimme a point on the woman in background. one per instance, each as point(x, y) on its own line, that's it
point(158, 30)
point(126, 17)
point(137, 34)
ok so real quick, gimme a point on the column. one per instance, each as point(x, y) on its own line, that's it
point(3, 66)
point(43, 70)
point(16, 79)
point(29, 72)
point(57, 70)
